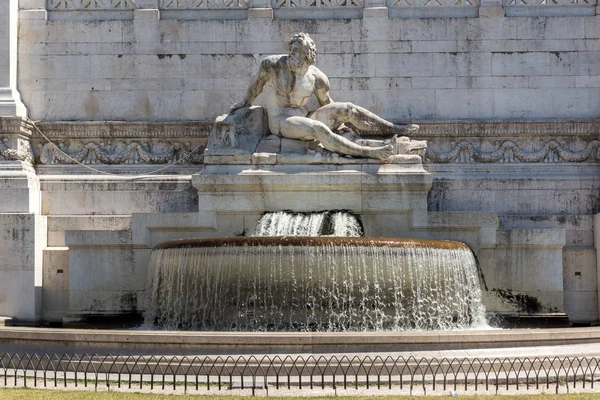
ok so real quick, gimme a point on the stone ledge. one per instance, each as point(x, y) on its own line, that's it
point(313, 178)
point(18, 125)
point(550, 10)
point(96, 15)
point(434, 12)
point(441, 128)
point(270, 342)
point(318, 13)
point(507, 129)
point(159, 143)
point(114, 129)
point(90, 238)
point(547, 238)
point(204, 14)
point(112, 183)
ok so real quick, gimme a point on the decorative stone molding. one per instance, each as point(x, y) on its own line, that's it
point(15, 134)
point(23, 153)
point(119, 152)
point(15, 125)
point(91, 4)
point(202, 4)
point(130, 143)
point(549, 3)
point(547, 8)
point(433, 8)
point(117, 129)
point(509, 129)
point(432, 3)
point(510, 152)
point(120, 143)
point(317, 3)
point(511, 142)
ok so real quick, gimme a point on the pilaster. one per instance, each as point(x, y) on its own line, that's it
point(10, 99)
point(22, 227)
point(597, 246)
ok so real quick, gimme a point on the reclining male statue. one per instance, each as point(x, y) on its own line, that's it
point(289, 81)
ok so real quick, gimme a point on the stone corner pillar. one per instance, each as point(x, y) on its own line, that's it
point(597, 246)
point(23, 230)
point(10, 99)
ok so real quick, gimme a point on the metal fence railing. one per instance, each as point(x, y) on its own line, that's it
point(298, 372)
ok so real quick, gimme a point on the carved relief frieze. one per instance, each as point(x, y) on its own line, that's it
point(201, 4)
point(550, 2)
point(131, 143)
point(120, 152)
point(508, 151)
point(91, 4)
point(317, 3)
point(23, 153)
point(432, 3)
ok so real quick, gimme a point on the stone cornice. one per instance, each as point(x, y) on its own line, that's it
point(122, 129)
point(497, 129)
point(15, 125)
point(449, 142)
point(508, 129)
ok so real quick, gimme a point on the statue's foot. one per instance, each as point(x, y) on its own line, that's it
point(384, 152)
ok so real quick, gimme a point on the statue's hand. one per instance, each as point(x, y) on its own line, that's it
point(237, 106)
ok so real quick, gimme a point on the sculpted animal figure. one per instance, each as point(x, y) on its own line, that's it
point(287, 83)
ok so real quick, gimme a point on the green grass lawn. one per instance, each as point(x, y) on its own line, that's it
point(37, 394)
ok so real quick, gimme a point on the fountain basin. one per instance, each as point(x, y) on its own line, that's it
point(313, 284)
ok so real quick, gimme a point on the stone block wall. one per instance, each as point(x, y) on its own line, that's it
point(138, 65)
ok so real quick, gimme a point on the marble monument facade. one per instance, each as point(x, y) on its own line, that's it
point(506, 94)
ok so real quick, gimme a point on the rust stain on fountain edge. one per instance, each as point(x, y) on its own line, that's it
point(237, 241)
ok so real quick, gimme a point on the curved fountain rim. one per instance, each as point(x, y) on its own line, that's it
point(315, 241)
point(156, 341)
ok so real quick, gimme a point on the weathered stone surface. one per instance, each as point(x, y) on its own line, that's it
point(55, 289)
point(541, 177)
point(22, 241)
point(236, 135)
point(125, 76)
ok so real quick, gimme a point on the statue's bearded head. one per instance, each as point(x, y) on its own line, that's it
point(302, 50)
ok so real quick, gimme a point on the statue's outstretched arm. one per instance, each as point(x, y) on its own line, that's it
point(256, 86)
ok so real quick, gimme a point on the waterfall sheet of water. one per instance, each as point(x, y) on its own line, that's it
point(314, 288)
point(329, 223)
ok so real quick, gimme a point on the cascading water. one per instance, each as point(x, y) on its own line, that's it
point(326, 223)
point(313, 284)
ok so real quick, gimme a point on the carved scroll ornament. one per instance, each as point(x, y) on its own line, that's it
point(510, 152)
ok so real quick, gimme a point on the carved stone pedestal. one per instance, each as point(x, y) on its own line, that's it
point(374, 191)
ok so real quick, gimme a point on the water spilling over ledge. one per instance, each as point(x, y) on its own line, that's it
point(324, 223)
point(313, 284)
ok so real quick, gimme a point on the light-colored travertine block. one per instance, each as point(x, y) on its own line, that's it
point(22, 240)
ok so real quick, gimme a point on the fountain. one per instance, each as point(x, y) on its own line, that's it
point(307, 283)
point(279, 155)
point(288, 279)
